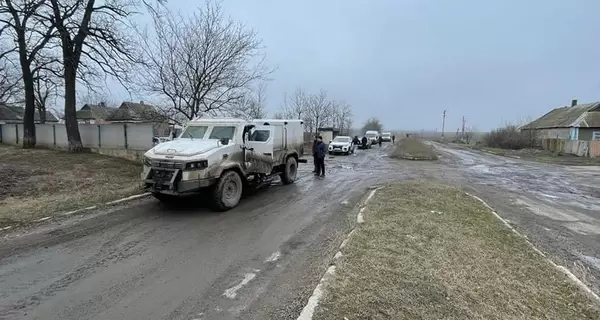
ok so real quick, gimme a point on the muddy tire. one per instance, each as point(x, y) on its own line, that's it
point(228, 191)
point(290, 171)
point(164, 198)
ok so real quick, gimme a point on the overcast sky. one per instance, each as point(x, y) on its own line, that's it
point(405, 61)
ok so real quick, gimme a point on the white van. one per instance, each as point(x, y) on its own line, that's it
point(373, 136)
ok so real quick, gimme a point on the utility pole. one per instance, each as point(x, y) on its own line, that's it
point(463, 128)
point(443, 124)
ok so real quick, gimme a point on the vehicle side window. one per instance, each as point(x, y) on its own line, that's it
point(222, 132)
point(260, 135)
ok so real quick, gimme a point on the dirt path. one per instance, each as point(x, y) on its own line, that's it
point(557, 207)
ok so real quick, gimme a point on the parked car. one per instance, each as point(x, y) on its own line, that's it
point(341, 144)
point(373, 136)
point(386, 137)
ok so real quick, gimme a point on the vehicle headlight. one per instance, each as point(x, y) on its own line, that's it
point(147, 162)
point(196, 165)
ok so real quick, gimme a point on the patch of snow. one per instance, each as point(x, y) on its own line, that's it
point(231, 293)
point(273, 257)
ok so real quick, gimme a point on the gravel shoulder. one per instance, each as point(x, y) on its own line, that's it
point(38, 182)
point(429, 251)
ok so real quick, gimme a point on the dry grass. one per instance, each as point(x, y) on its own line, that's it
point(38, 182)
point(543, 156)
point(413, 149)
point(429, 251)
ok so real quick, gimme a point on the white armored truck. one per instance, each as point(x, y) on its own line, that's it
point(223, 157)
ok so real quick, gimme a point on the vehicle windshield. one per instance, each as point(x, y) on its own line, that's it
point(194, 132)
point(371, 135)
point(341, 139)
point(222, 132)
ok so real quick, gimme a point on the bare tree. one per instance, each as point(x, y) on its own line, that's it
point(10, 78)
point(201, 64)
point(46, 87)
point(93, 45)
point(372, 124)
point(341, 116)
point(318, 111)
point(251, 105)
point(30, 35)
point(294, 107)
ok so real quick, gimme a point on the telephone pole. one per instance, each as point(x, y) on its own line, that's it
point(443, 124)
point(463, 128)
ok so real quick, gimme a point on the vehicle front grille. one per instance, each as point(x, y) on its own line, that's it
point(162, 175)
point(168, 164)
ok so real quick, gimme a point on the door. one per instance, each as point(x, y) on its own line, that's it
point(259, 150)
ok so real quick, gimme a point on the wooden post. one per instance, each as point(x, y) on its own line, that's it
point(54, 134)
point(17, 132)
point(125, 134)
point(99, 137)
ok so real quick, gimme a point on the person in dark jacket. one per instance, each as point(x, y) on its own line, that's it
point(380, 140)
point(364, 142)
point(393, 139)
point(356, 141)
point(321, 151)
point(314, 152)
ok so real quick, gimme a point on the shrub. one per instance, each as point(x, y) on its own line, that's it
point(509, 137)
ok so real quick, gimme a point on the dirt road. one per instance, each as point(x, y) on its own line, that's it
point(556, 207)
point(145, 261)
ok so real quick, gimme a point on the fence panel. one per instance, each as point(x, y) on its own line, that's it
point(594, 149)
point(139, 136)
point(89, 135)
point(44, 135)
point(112, 136)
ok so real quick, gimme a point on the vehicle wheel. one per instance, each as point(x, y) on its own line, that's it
point(290, 171)
point(228, 191)
point(164, 198)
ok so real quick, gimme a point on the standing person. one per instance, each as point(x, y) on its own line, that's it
point(314, 151)
point(321, 150)
point(380, 140)
point(393, 139)
point(364, 142)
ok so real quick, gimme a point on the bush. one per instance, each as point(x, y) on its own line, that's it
point(509, 137)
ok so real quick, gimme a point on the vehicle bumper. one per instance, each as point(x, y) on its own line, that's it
point(339, 151)
point(170, 182)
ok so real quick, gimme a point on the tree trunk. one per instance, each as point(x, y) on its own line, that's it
point(29, 139)
point(42, 112)
point(71, 124)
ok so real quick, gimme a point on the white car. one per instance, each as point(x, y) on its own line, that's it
point(341, 144)
point(386, 137)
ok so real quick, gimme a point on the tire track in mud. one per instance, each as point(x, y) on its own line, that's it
point(110, 252)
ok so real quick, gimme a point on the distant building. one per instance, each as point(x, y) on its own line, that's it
point(575, 122)
point(133, 112)
point(94, 113)
point(328, 133)
point(14, 114)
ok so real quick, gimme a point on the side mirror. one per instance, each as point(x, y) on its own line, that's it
point(224, 141)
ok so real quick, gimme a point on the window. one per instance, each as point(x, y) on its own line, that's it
point(341, 139)
point(596, 135)
point(194, 132)
point(222, 132)
point(260, 135)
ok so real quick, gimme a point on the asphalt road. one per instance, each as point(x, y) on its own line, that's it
point(147, 261)
point(557, 207)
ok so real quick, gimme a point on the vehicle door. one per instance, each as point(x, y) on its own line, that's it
point(259, 151)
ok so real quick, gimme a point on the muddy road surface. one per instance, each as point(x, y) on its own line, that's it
point(261, 260)
point(557, 207)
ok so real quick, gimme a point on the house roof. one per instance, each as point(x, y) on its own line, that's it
point(15, 113)
point(132, 111)
point(94, 112)
point(581, 115)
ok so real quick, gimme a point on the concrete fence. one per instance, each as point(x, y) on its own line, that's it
point(579, 148)
point(125, 140)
